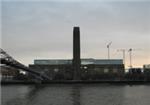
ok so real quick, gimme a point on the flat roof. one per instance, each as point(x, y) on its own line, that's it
point(83, 61)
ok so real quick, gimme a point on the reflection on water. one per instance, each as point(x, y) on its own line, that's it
point(77, 94)
point(103, 95)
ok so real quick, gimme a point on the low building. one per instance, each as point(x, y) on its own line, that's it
point(135, 74)
point(90, 68)
point(146, 69)
point(146, 66)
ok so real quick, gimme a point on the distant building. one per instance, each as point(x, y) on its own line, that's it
point(135, 74)
point(146, 66)
point(135, 70)
point(146, 69)
point(90, 68)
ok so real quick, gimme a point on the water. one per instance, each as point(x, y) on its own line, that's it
point(77, 94)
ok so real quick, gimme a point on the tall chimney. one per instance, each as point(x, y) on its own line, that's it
point(76, 53)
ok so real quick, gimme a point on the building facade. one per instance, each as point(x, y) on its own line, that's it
point(90, 69)
point(146, 69)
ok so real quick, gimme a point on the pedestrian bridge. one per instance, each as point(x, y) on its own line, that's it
point(10, 61)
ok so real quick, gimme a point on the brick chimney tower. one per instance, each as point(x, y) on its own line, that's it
point(76, 54)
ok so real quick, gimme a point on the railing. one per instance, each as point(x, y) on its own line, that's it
point(10, 61)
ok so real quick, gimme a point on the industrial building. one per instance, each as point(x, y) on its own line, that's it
point(77, 68)
point(89, 69)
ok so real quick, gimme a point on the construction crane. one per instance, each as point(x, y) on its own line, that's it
point(123, 51)
point(108, 49)
point(130, 55)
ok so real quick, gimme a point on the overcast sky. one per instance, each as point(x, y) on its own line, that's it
point(43, 29)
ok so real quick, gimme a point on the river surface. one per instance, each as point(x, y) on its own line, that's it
point(75, 94)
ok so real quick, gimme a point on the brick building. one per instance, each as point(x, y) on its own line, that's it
point(89, 69)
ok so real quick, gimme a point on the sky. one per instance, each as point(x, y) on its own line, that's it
point(39, 29)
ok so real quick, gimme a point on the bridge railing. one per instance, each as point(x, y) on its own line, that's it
point(10, 61)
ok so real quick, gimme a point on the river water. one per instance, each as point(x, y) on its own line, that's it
point(75, 94)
